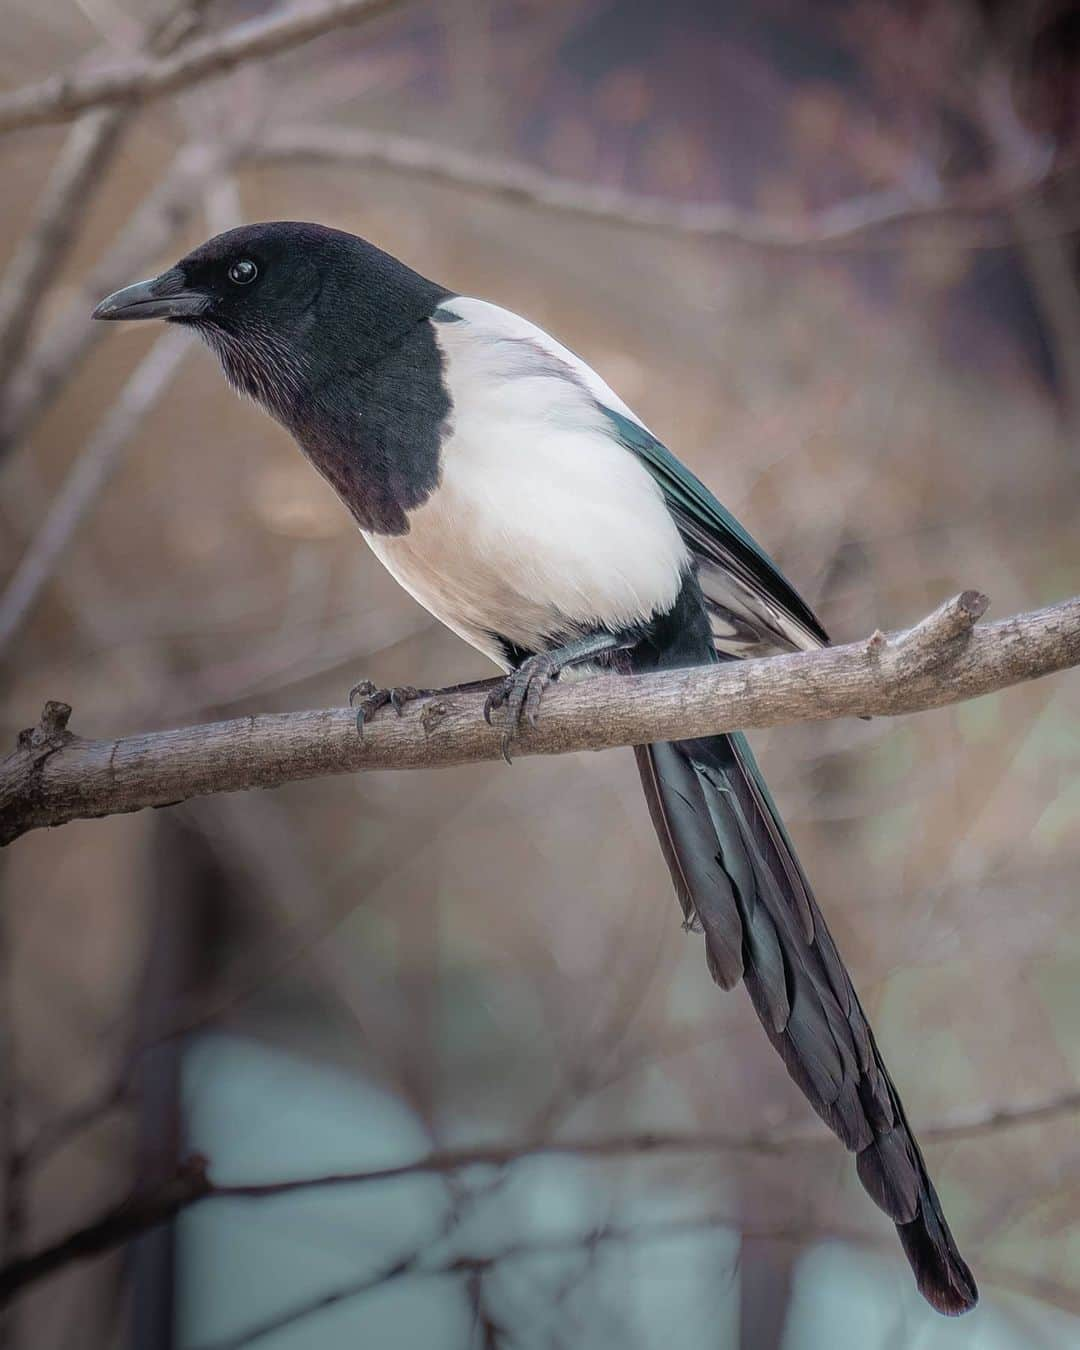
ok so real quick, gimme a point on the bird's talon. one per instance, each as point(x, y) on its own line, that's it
point(372, 698)
point(401, 695)
point(521, 693)
point(534, 696)
point(362, 689)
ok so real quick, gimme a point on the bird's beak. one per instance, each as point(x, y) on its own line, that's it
point(163, 297)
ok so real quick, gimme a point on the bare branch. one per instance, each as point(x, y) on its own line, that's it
point(837, 227)
point(114, 1228)
point(653, 1142)
point(159, 217)
point(62, 97)
point(588, 1243)
point(474, 1266)
point(88, 148)
point(79, 167)
point(54, 776)
point(58, 1132)
point(192, 1183)
point(92, 470)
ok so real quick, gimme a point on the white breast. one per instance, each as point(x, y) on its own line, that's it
point(542, 524)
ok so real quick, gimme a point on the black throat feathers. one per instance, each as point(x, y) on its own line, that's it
point(374, 433)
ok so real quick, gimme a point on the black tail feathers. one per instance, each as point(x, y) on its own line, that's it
point(738, 880)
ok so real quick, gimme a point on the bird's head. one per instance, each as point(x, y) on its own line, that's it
point(286, 305)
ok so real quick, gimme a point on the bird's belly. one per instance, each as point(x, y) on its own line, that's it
point(535, 548)
point(466, 591)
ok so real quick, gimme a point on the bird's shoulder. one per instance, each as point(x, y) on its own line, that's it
point(500, 340)
point(754, 608)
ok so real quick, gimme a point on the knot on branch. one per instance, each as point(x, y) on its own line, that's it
point(935, 640)
point(51, 732)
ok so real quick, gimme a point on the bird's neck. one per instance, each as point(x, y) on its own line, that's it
point(374, 433)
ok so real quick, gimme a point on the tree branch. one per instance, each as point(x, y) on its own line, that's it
point(90, 473)
point(78, 171)
point(841, 226)
point(192, 1183)
point(419, 1263)
point(71, 336)
point(114, 1228)
point(142, 79)
point(54, 776)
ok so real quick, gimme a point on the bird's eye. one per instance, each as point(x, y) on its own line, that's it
point(243, 272)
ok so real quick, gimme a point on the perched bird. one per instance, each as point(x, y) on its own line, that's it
point(518, 499)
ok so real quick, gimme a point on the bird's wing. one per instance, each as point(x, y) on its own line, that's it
point(752, 605)
point(753, 608)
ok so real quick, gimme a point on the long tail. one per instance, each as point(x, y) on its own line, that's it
point(739, 882)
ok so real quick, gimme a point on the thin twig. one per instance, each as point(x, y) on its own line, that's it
point(142, 79)
point(799, 1235)
point(473, 1266)
point(86, 151)
point(71, 336)
point(93, 468)
point(54, 776)
point(52, 1136)
point(844, 225)
point(113, 1229)
point(79, 168)
point(651, 1142)
point(192, 1184)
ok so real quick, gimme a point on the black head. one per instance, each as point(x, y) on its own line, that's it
point(285, 304)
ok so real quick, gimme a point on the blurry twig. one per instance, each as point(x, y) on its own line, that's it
point(91, 471)
point(78, 168)
point(645, 1143)
point(192, 1184)
point(54, 1135)
point(838, 227)
point(54, 776)
point(48, 365)
point(144, 78)
point(1043, 245)
point(88, 148)
point(113, 1229)
point(474, 1267)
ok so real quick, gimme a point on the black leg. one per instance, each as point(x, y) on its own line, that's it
point(522, 691)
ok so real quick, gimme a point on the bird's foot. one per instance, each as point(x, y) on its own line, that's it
point(367, 698)
point(521, 694)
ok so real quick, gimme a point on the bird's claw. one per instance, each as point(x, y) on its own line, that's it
point(372, 698)
point(521, 693)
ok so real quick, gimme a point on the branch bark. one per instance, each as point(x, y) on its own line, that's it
point(54, 776)
point(142, 79)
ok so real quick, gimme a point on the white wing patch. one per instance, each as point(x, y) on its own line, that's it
point(744, 621)
point(543, 525)
point(494, 322)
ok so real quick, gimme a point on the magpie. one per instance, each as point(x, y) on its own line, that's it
point(521, 502)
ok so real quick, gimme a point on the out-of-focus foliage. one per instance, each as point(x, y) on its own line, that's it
point(367, 968)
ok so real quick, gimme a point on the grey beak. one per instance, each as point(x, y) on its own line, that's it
point(163, 297)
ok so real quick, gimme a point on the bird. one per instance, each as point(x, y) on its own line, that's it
point(513, 494)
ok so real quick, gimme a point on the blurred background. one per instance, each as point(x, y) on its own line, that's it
point(872, 355)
